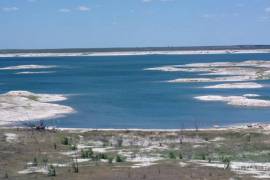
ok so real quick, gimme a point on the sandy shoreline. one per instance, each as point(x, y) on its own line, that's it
point(240, 126)
point(133, 53)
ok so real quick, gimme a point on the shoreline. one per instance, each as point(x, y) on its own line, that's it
point(134, 53)
point(239, 126)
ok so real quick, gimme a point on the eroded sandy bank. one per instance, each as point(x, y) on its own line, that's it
point(18, 106)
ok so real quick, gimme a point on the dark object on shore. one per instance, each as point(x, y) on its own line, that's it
point(40, 126)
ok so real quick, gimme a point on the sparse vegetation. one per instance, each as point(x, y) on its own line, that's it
point(230, 146)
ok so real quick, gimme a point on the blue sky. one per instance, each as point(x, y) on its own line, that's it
point(132, 23)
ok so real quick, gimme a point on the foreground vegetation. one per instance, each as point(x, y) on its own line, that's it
point(213, 154)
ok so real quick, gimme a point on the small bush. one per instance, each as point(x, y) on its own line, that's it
point(65, 141)
point(180, 156)
point(102, 156)
point(203, 157)
point(45, 160)
point(73, 147)
point(119, 142)
point(75, 167)
point(88, 153)
point(119, 159)
point(35, 162)
point(226, 161)
point(110, 160)
point(172, 155)
point(6, 175)
point(51, 171)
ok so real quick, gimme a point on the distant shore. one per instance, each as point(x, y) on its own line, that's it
point(139, 52)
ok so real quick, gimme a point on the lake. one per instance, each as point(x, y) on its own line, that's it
point(116, 91)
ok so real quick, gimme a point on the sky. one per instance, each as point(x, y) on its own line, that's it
point(37, 24)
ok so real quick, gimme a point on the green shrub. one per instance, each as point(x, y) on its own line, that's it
point(73, 147)
point(172, 155)
point(88, 153)
point(226, 161)
point(51, 171)
point(65, 141)
point(75, 167)
point(110, 160)
point(102, 156)
point(35, 162)
point(180, 156)
point(119, 159)
point(203, 157)
point(45, 160)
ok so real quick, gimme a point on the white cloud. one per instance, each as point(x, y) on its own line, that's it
point(267, 9)
point(64, 10)
point(9, 9)
point(83, 8)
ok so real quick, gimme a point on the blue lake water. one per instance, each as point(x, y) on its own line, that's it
point(115, 91)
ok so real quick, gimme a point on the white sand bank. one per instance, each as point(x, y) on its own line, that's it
point(247, 85)
point(236, 100)
point(32, 66)
point(17, 106)
point(217, 79)
point(35, 72)
point(226, 71)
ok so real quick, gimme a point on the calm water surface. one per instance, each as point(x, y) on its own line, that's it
point(115, 92)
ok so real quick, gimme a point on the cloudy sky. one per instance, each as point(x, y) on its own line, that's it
point(132, 23)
